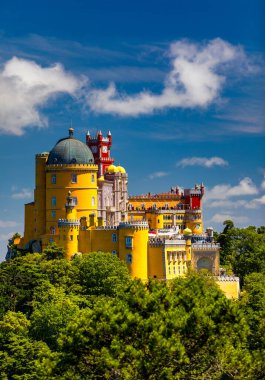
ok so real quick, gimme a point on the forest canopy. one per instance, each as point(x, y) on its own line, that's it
point(87, 319)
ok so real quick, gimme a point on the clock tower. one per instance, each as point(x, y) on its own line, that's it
point(100, 147)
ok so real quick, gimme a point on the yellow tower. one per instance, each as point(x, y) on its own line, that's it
point(133, 243)
point(69, 228)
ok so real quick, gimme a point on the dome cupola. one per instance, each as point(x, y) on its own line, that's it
point(70, 151)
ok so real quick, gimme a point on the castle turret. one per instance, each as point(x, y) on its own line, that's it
point(133, 241)
point(69, 228)
point(100, 147)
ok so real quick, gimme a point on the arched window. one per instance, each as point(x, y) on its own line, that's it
point(93, 201)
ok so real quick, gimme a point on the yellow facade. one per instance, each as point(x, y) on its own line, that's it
point(229, 285)
point(78, 179)
point(162, 239)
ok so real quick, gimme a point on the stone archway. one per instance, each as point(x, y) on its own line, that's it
point(205, 263)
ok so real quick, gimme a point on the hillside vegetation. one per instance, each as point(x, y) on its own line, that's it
point(87, 319)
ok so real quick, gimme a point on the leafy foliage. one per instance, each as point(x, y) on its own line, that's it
point(87, 319)
point(242, 249)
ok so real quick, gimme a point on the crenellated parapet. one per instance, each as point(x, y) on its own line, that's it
point(160, 241)
point(107, 228)
point(206, 247)
point(71, 167)
point(69, 223)
point(43, 154)
point(137, 225)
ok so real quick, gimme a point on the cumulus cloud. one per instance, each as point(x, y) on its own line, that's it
point(193, 81)
point(202, 161)
point(226, 191)
point(158, 175)
point(220, 218)
point(255, 203)
point(241, 203)
point(25, 87)
point(22, 194)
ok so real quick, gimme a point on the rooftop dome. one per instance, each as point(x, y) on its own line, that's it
point(187, 231)
point(121, 169)
point(111, 169)
point(70, 151)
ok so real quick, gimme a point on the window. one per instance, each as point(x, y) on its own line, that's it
point(93, 178)
point(51, 240)
point(71, 237)
point(52, 230)
point(179, 268)
point(75, 201)
point(74, 178)
point(53, 179)
point(129, 258)
point(114, 238)
point(169, 270)
point(53, 214)
point(174, 269)
point(128, 241)
point(114, 252)
point(93, 201)
point(53, 201)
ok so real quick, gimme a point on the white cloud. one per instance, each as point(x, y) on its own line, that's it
point(193, 81)
point(22, 194)
point(158, 175)
point(263, 184)
point(220, 218)
point(255, 203)
point(241, 203)
point(202, 161)
point(8, 223)
point(226, 191)
point(25, 87)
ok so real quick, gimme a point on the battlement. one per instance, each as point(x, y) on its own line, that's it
point(150, 196)
point(71, 166)
point(205, 246)
point(68, 223)
point(107, 228)
point(43, 154)
point(135, 225)
point(160, 241)
point(226, 278)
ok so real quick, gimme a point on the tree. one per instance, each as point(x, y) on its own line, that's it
point(102, 274)
point(52, 252)
point(18, 279)
point(243, 249)
point(188, 330)
point(52, 311)
point(21, 357)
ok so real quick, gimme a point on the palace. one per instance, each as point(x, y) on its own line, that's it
point(81, 203)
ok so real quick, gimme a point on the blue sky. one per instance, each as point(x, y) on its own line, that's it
point(180, 84)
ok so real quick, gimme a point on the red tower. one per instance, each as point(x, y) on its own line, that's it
point(100, 147)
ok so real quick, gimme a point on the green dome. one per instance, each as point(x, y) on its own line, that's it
point(70, 151)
